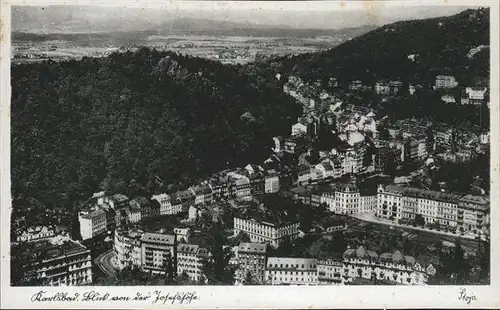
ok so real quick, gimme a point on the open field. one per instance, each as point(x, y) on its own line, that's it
point(227, 49)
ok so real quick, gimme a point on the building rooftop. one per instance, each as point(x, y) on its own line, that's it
point(252, 247)
point(202, 190)
point(266, 217)
point(481, 200)
point(140, 201)
point(118, 198)
point(55, 247)
point(182, 195)
point(361, 252)
point(187, 248)
point(291, 263)
point(89, 214)
point(158, 238)
point(160, 197)
point(422, 193)
point(182, 231)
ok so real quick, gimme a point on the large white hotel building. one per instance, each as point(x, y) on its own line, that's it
point(467, 213)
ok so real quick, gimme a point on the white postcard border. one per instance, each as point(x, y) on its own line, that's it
point(254, 296)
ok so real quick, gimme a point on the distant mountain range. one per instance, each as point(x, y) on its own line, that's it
point(78, 19)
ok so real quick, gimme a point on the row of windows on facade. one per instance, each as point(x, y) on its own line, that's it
point(291, 266)
point(291, 279)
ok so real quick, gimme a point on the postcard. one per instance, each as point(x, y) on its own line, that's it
point(247, 154)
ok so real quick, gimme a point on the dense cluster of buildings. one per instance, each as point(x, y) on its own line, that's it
point(402, 204)
point(466, 213)
point(317, 169)
point(156, 252)
point(396, 268)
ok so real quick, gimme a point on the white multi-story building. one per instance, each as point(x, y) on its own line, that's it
point(92, 223)
point(133, 214)
point(465, 213)
point(348, 199)
point(271, 230)
point(291, 271)
point(445, 81)
point(476, 93)
point(330, 271)
point(473, 213)
point(190, 260)
point(272, 183)
point(395, 202)
point(193, 213)
point(388, 267)
point(157, 250)
point(165, 204)
point(127, 248)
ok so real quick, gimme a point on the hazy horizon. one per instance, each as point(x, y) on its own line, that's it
point(78, 18)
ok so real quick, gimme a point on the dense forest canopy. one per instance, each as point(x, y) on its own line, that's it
point(133, 121)
point(440, 46)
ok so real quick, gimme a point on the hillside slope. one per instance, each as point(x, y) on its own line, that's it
point(439, 45)
point(131, 119)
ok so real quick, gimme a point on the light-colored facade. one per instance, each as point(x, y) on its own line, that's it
point(330, 271)
point(272, 233)
point(393, 267)
point(35, 233)
point(299, 129)
point(182, 234)
point(347, 199)
point(127, 248)
point(165, 204)
point(92, 223)
point(272, 183)
point(476, 93)
point(251, 260)
point(156, 251)
point(133, 214)
point(465, 213)
point(445, 81)
point(473, 213)
point(193, 213)
point(190, 260)
point(291, 271)
point(203, 194)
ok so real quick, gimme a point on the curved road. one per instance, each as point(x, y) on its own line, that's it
point(104, 263)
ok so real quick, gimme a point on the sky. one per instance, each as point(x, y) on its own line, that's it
point(138, 15)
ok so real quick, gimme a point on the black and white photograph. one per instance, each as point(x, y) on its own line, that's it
point(194, 144)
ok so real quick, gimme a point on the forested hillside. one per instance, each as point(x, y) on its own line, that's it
point(439, 45)
point(134, 123)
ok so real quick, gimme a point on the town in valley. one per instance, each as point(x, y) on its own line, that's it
point(368, 182)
